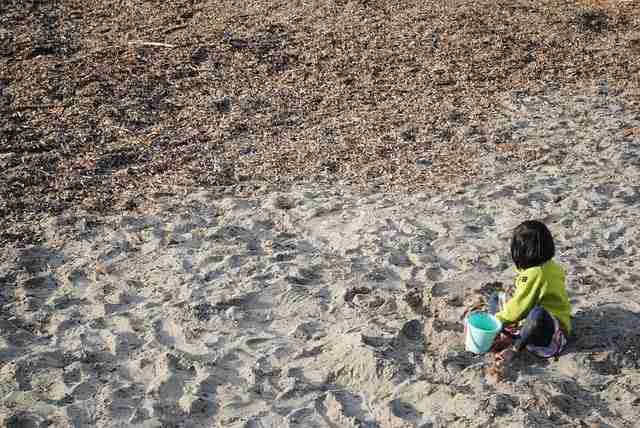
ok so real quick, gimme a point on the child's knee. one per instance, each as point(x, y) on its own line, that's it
point(537, 313)
point(494, 305)
point(494, 297)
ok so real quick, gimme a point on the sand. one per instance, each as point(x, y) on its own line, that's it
point(327, 306)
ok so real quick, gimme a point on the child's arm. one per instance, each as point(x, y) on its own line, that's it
point(527, 291)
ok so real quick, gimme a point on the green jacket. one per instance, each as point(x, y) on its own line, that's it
point(539, 285)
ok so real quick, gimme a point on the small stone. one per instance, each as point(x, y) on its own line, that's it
point(247, 150)
point(297, 416)
point(302, 276)
point(399, 260)
point(521, 124)
point(589, 20)
point(263, 367)
point(470, 131)
point(456, 117)
point(374, 341)
point(414, 300)
point(424, 163)
point(455, 301)
point(551, 87)
point(233, 313)
point(375, 302)
point(389, 306)
point(412, 330)
point(255, 104)
point(20, 421)
point(42, 51)
point(329, 166)
point(376, 275)
point(352, 292)
point(282, 203)
point(503, 136)
point(367, 301)
point(603, 88)
point(199, 55)
point(223, 105)
point(239, 44)
point(287, 119)
point(304, 331)
point(616, 108)
point(409, 135)
point(193, 405)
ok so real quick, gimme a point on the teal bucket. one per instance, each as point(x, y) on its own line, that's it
point(481, 330)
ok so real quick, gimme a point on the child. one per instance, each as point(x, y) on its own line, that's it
point(539, 306)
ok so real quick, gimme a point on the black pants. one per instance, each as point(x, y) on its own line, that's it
point(538, 328)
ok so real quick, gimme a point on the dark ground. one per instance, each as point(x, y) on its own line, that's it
point(101, 105)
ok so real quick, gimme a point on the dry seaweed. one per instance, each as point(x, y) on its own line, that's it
point(100, 103)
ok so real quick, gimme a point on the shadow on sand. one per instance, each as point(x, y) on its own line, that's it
point(610, 330)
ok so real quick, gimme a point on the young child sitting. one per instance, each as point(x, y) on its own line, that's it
point(537, 315)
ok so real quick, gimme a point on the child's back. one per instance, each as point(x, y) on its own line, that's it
point(539, 310)
point(539, 285)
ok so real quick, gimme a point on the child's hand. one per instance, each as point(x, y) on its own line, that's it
point(506, 356)
point(501, 342)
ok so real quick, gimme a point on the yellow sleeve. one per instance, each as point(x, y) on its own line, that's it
point(528, 285)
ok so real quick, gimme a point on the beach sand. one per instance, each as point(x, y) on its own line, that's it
point(329, 306)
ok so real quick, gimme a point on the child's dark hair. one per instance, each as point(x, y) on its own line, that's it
point(532, 244)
